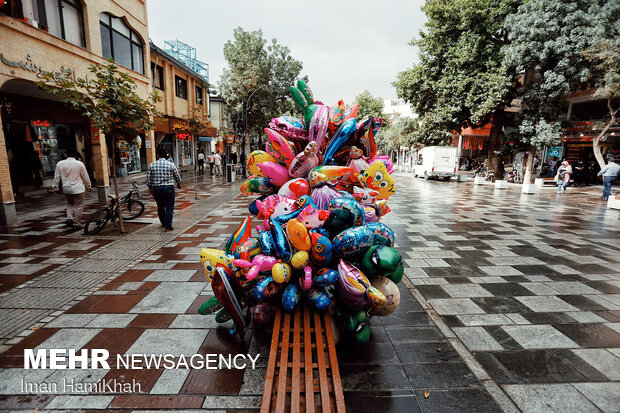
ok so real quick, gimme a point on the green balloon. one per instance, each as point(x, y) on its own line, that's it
point(356, 326)
point(210, 306)
point(302, 95)
point(380, 260)
point(222, 316)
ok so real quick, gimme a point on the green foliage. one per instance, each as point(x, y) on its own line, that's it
point(369, 105)
point(403, 131)
point(109, 100)
point(260, 71)
point(460, 79)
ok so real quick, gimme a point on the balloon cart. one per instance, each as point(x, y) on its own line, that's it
point(321, 192)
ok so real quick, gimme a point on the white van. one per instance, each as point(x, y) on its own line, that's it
point(436, 162)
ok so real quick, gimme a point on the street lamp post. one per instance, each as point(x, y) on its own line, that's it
point(246, 137)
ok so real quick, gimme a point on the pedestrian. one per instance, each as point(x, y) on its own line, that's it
point(552, 165)
point(201, 163)
point(609, 173)
point(161, 176)
point(217, 159)
point(234, 157)
point(169, 158)
point(211, 160)
point(72, 178)
point(564, 173)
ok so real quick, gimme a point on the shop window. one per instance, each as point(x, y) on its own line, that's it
point(120, 43)
point(62, 18)
point(158, 76)
point(180, 87)
point(198, 95)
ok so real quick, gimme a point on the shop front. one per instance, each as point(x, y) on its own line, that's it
point(182, 144)
point(38, 133)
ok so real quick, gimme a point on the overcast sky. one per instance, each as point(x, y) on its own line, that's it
point(345, 46)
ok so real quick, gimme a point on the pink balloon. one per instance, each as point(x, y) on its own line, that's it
point(318, 125)
point(304, 161)
point(276, 173)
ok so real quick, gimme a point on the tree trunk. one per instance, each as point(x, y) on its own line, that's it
point(596, 141)
point(495, 161)
point(118, 200)
point(529, 166)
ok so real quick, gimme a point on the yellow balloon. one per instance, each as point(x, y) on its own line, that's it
point(281, 272)
point(297, 234)
point(299, 260)
point(209, 258)
point(391, 293)
point(377, 178)
point(256, 158)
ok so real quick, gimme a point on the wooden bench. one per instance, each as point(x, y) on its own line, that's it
point(302, 373)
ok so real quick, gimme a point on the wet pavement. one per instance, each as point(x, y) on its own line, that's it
point(510, 302)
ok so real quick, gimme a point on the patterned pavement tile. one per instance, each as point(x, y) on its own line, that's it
point(549, 398)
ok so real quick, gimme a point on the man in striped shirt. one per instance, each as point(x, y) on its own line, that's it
point(161, 177)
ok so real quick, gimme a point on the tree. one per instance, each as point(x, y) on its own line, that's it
point(256, 82)
point(460, 79)
point(369, 106)
point(547, 40)
point(402, 131)
point(109, 101)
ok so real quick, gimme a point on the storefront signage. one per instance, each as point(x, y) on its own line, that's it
point(180, 125)
point(35, 68)
point(230, 139)
point(183, 136)
point(42, 123)
point(94, 136)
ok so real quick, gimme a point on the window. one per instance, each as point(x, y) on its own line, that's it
point(180, 87)
point(120, 43)
point(158, 76)
point(62, 18)
point(199, 95)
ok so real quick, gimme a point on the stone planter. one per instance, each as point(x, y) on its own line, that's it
point(528, 188)
point(479, 180)
point(501, 184)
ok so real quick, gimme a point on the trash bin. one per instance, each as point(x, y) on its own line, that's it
point(230, 172)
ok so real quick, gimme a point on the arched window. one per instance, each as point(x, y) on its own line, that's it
point(121, 43)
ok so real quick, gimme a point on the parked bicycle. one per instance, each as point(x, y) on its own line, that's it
point(130, 207)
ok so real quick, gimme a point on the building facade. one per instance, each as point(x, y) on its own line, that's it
point(40, 36)
point(185, 95)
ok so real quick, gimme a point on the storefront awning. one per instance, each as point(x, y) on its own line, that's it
point(210, 132)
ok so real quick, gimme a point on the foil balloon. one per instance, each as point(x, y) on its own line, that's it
point(265, 289)
point(282, 149)
point(304, 161)
point(226, 293)
point(266, 242)
point(297, 234)
point(319, 125)
point(355, 291)
point(331, 172)
point(302, 96)
point(289, 127)
point(312, 217)
point(365, 196)
point(352, 241)
point(258, 185)
point(290, 297)
point(380, 260)
point(381, 234)
point(256, 158)
point(259, 263)
point(222, 316)
point(210, 306)
point(342, 135)
point(240, 235)
point(252, 207)
point(386, 160)
point(355, 326)
point(318, 298)
point(377, 178)
point(321, 251)
point(322, 192)
point(282, 249)
point(391, 293)
point(249, 249)
point(295, 188)
point(349, 205)
point(300, 260)
point(357, 161)
point(326, 277)
point(264, 314)
point(281, 272)
point(336, 116)
point(276, 173)
point(210, 258)
point(351, 112)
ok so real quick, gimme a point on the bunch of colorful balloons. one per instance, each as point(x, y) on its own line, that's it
point(321, 190)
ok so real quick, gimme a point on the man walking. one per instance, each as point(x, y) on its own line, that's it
point(218, 164)
point(211, 160)
point(564, 173)
point(72, 175)
point(201, 163)
point(161, 176)
point(609, 173)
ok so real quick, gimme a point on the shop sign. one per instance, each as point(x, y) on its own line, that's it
point(580, 127)
point(230, 139)
point(41, 123)
point(94, 136)
point(38, 70)
point(183, 136)
point(180, 125)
